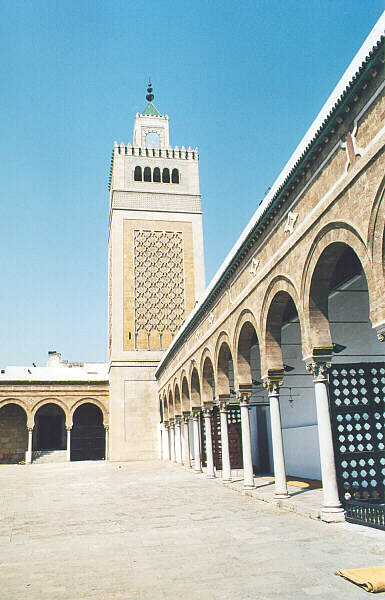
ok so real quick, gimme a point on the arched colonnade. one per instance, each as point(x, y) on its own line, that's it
point(81, 428)
point(305, 320)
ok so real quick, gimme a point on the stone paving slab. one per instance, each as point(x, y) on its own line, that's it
point(152, 530)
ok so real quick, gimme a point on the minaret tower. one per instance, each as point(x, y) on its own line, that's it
point(156, 272)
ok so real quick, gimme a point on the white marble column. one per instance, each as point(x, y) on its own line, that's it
point(331, 510)
point(273, 384)
point(248, 473)
point(178, 440)
point(172, 441)
point(69, 443)
point(167, 454)
point(207, 410)
point(28, 454)
point(186, 439)
point(226, 467)
point(106, 429)
point(197, 449)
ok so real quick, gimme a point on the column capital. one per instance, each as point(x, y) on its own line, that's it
point(186, 416)
point(69, 428)
point(223, 401)
point(172, 422)
point(381, 333)
point(166, 424)
point(178, 419)
point(196, 411)
point(319, 368)
point(207, 409)
point(30, 429)
point(106, 427)
point(243, 397)
point(272, 384)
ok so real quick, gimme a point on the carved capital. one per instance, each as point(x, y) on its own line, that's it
point(207, 409)
point(222, 402)
point(186, 417)
point(106, 427)
point(272, 384)
point(243, 397)
point(381, 334)
point(172, 422)
point(166, 424)
point(196, 412)
point(69, 428)
point(320, 370)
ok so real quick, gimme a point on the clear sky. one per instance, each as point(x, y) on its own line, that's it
point(242, 80)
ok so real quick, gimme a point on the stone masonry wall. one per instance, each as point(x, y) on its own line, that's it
point(13, 434)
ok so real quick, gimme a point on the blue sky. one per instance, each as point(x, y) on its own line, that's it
point(241, 80)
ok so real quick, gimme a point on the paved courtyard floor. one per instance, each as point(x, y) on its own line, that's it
point(99, 530)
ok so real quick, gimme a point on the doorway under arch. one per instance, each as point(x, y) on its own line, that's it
point(88, 436)
point(49, 432)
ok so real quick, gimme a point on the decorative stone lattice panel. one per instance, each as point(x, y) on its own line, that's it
point(159, 281)
point(357, 402)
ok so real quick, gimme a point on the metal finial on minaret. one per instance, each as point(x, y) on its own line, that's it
point(150, 95)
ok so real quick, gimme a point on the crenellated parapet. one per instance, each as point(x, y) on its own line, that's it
point(176, 152)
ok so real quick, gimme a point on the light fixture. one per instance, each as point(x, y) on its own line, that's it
point(288, 368)
point(337, 348)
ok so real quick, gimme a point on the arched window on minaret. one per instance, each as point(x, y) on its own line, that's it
point(166, 176)
point(138, 174)
point(147, 174)
point(175, 176)
point(156, 175)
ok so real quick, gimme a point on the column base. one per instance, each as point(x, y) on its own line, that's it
point(332, 515)
point(248, 486)
point(197, 471)
point(281, 495)
point(226, 479)
point(210, 476)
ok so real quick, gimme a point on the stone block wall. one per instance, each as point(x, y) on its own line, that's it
point(13, 434)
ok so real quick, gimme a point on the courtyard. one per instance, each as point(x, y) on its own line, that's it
point(144, 530)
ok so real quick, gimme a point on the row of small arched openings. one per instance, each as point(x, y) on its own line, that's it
point(155, 175)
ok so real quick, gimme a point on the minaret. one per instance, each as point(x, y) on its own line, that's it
point(156, 272)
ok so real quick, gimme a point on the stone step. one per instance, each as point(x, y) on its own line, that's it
point(49, 456)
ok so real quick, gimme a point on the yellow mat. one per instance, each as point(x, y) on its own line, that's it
point(312, 484)
point(371, 579)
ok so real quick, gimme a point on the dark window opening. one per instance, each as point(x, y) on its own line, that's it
point(156, 175)
point(138, 174)
point(175, 176)
point(147, 174)
point(166, 176)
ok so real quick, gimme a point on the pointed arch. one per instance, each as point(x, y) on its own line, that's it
point(245, 338)
point(178, 404)
point(326, 250)
point(195, 387)
point(280, 304)
point(223, 364)
point(207, 377)
point(90, 400)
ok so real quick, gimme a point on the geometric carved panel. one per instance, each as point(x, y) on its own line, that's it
point(158, 264)
point(159, 282)
point(357, 403)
